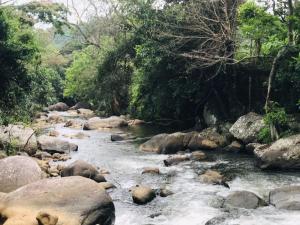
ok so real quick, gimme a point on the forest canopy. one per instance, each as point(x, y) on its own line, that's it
point(154, 60)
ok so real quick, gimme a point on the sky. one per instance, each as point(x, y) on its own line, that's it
point(79, 4)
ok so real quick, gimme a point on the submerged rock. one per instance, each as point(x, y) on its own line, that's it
point(286, 198)
point(72, 200)
point(142, 195)
point(198, 156)
point(17, 171)
point(19, 137)
point(55, 145)
point(151, 170)
point(84, 169)
point(174, 160)
point(247, 127)
point(98, 123)
point(243, 199)
point(213, 177)
point(60, 106)
point(283, 154)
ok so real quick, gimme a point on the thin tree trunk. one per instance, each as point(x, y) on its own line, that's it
point(249, 93)
point(290, 23)
point(273, 72)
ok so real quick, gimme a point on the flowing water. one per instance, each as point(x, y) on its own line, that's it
point(193, 203)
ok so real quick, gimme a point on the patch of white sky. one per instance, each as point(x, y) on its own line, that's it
point(83, 9)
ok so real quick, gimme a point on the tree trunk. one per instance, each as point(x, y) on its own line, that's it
point(290, 23)
point(273, 72)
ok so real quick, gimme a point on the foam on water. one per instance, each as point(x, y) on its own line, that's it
point(191, 203)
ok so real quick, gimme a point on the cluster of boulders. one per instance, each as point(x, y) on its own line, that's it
point(35, 190)
point(243, 135)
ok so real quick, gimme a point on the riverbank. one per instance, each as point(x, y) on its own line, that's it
point(192, 201)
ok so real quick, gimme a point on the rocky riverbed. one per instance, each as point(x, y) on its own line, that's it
point(217, 183)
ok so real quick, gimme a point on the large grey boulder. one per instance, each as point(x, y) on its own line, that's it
point(20, 137)
point(175, 142)
point(247, 127)
point(84, 169)
point(60, 106)
point(98, 123)
point(243, 199)
point(286, 198)
point(17, 171)
point(67, 201)
point(283, 154)
point(55, 145)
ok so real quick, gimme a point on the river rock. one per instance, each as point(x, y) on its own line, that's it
point(235, 146)
point(81, 105)
point(19, 137)
point(151, 170)
point(117, 137)
point(17, 171)
point(76, 124)
point(60, 106)
point(174, 160)
point(136, 122)
point(283, 154)
point(72, 200)
point(212, 177)
point(55, 145)
point(163, 192)
point(247, 127)
point(154, 144)
point(54, 133)
point(175, 142)
point(252, 146)
point(53, 119)
point(196, 141)
point(84, 169)
point(243, 199)
point(142, 195)
point(286, 197)
point(79, 135)
point(107, 185)
point(98, 123)
point(198, 156)
point(86, 113)
point(212, 134)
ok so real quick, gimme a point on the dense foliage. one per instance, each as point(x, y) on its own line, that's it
point(174, 60)
point(27, 80)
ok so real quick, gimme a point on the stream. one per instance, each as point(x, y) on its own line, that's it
point(193, 203)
